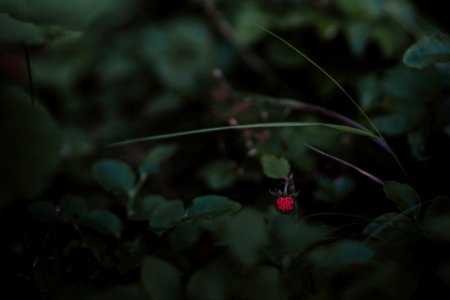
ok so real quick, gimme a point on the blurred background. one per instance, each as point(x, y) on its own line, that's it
point(77, 76)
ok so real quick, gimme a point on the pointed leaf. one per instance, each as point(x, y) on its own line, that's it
point(427, 51)
point(404, 196)
point(160, 279)
point(166, 216)
point(105, 222)
point(211, 206)
point(115, 176)
point(275, 167)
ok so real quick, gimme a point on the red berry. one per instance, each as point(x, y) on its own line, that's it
point(285, 204)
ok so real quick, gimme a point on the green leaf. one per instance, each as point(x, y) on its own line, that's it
point(404, 196)
point(18, 32)
point(144, 207)
point(166, 216)
point(213, 282)
point(160, 279)
point(246, 233)
point(44, 211)
point(30, 148)
point(427, 51)
point(437, 218)
point(105, 222)
point(342, 254)
point(211, 206)
point(290, 235)
point(275, 167)
point(155, 157)
point(265, 283)
point(73, 209)
point(115, 176)
point(218, 175)
point(388, 227)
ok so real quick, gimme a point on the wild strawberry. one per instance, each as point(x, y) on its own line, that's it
point(285, 204)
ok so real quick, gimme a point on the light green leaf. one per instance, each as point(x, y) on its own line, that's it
point(275, 167)
point(404, 196)
point(166, 216)
point(427, 51)
point(161, 280)
point(211, 206)
point(105, 222)
point(115, 176)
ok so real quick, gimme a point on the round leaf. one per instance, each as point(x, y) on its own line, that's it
point(160, 279)
point(115, 176)
point(275, 167)
point(211, 206)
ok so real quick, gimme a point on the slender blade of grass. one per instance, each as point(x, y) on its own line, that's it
point(359, 170)
point(342, 128)
point(340, 87)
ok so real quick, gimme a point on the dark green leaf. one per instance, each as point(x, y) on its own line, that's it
point(144, 207)
point(166, 216)
point(115, 176)
point(427, 51)
point(275, 167)
point(291, 236)
point(44, 211)
point(218, 174)
point(437, 218)
point(160, 279)
point(73, 209)
point(246, 233)
point(184, 236)
point(211, 206)
point(388, 227)
point(404, 196)
point(18, 32)
point(341, 254)
point(105, 222)
point(30, 148)
point(213, 282)
point(265, 282)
